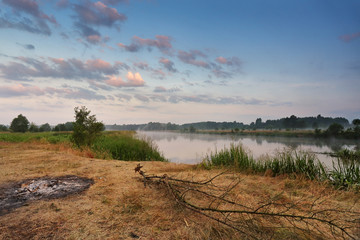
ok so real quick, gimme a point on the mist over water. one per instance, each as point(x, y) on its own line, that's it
point(191, 148)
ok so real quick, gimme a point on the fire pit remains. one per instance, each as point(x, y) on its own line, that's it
point(15, 195)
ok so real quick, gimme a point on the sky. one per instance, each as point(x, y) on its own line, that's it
point(179, 61)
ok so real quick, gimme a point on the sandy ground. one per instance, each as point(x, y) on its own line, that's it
point(117, 205)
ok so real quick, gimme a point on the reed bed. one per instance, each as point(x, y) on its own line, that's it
point(286, 162)
point(346, 155)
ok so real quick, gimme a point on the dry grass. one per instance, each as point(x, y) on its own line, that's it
point(118, 206)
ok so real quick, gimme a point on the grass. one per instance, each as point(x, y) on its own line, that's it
point(120, 145)
point(124, 146)
point(287, 162)
point(49, 137)
point(348, 155)
point(118, 206)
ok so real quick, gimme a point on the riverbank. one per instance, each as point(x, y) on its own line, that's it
point(118, 206)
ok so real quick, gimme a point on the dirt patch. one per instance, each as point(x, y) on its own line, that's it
point(14, 195)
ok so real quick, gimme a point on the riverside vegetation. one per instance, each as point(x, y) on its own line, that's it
point(345, 173)
point(110, 145)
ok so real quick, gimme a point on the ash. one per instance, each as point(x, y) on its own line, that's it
point(15, 195)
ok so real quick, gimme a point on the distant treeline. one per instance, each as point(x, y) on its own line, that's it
point(291, 122)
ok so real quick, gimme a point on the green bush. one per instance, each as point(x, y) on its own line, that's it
point(126, 147)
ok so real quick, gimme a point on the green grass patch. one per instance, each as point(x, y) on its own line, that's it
point(50, 137)
point(125, 146)
point(121, 145)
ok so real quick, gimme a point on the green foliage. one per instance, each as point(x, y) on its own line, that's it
point(343, 175)
point(192, 129)
point(120, 145)
point(291, 122)
point(335, 129)
point(62, 127)
point(124, 146)
point(45, 128)
point(19, 124)
point(348, 155)
point(86, 127)
point(29, 137)
point(356, 122)
point(33, 127)
point(3, 128)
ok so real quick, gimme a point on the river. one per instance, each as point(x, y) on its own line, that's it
point(191, 148)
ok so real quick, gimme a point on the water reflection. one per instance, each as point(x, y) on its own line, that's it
point(191, 148)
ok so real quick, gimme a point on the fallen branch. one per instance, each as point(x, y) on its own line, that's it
point(214, 202)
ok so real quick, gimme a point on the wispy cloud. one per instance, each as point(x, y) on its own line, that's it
point(191, 58)
point(27, 46)
point(168, 64)
point(156, 73)
point(18, 90)
point(231, 61)
point(161, 42)
point(350, 37)
point(142, 65)
point(26, 69)
point(67, 92)
point(115, 2)
point(95, 14)
point(34, 21)
point(75, 93)
point(161, 89)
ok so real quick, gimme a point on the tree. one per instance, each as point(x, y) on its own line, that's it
point(3, 128)
point(19, 124)
point(258, 123)
point(86, 127)
point(356, 122)
point(335, 129)
point(192, 129)
point(33, 127)
point(45, 128)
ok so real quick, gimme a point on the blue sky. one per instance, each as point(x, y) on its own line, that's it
point(135, 61)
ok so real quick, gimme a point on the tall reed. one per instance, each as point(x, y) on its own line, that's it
point(288, 161)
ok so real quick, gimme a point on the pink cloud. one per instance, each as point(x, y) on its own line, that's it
point(163, 43)
point(191, 58)
point(134, 80)
point(349, 37)
point(20, 90)
point(142, 65)
point(99, 65)
point(37, 23)
point(98, 14)
point(93, 38)
point(231, 61)
point(221, 60)
point(27, 69)
point(31, 7)
point(169, 65)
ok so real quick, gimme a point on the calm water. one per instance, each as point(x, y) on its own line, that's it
point(191, 148)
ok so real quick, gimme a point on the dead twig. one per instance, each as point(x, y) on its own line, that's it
point(215, 202)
